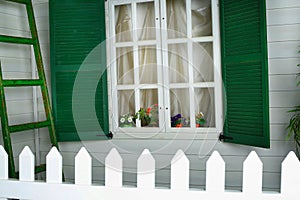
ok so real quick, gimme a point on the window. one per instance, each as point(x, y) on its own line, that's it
point(165, 63)
point(150, 60)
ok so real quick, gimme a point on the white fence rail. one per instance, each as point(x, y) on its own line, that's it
point(27, 188)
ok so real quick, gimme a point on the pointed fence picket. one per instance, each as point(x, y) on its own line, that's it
point(54, 166)
point(83, 168)
point(146, 170)
point(53, 188)
point(3, 166)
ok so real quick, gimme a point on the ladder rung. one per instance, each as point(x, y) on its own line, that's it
point(16, 40)
point(22, 82)
point(28, 126)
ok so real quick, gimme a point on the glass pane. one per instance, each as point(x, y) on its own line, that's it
point(126, 106)
point(125, 66)
point(123, 23)
point(201, 18)
point(146, 21)
point(204, 107)
point(147, 65)
point(178, 63)
point(203, 64)
point(180, 108)
point(176, 18)
point(149, 108)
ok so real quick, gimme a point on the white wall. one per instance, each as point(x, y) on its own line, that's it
point(284, 39)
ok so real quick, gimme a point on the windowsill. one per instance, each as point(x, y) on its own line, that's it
point(180, 134)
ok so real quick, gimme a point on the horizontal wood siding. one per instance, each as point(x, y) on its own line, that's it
point(283, 21)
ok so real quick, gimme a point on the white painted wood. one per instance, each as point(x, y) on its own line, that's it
point(290, 83)
point(215, 173)
point(252, 174)
point(3, 163)
point(146, 170)
point(113, 169)
point(41, 190)
point(284, 99)
point(83, 168)
point(180, 167)
point(54, 166)
point(277, 4)
point(283, 32)
point(26, 165)
point(291, 49)
point(283, 16)
point(283, 66)
point(290, 176)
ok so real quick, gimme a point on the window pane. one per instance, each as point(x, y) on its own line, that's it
point(149, 104)
point(204, 107)
point(180, 108)
point(123, 23)
point(148, 64)
point(203, 63)
point(125, 65)
point(126, 108)
point(201, 18)
point(146, 21)
point(176, 18)
point(178, 63)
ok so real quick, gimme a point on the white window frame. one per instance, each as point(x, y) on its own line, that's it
point(162, 60)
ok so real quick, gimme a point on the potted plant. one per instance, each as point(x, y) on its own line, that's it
point(126, 120)
point(148, 117)
point(200, 121)
point(294, 124)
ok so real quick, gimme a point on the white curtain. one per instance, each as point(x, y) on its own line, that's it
point(178, 57)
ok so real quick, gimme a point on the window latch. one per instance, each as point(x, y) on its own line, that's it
point(223, 137)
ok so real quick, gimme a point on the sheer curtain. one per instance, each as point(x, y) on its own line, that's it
point(177, 58)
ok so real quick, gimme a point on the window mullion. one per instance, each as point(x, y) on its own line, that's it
point(165, 64)
point(136, 61)
point(190, 63)
point(159, 63)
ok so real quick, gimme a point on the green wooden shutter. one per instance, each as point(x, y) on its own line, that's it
point(77, 30)
point(245, 72)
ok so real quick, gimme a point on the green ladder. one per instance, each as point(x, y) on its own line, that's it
point(7, 130)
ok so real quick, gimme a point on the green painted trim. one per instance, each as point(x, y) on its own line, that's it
point(16, 40)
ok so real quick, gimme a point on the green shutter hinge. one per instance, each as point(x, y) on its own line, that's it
point(223, 137)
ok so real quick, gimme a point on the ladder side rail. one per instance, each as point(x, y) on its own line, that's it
point(41, 73)
point(5, 129)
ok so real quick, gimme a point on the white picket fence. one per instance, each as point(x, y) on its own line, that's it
point(27, 188)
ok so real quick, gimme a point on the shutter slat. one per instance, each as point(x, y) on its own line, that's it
point(245, 74)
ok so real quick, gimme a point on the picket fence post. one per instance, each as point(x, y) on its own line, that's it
point(146, 170)
point(215, 173)
point(3, 166)
point(113, 169)
point(83, 168)
point(26, 165)
point(252, 174)
point(54, 166)
point(180, 166)
point(290, 175)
